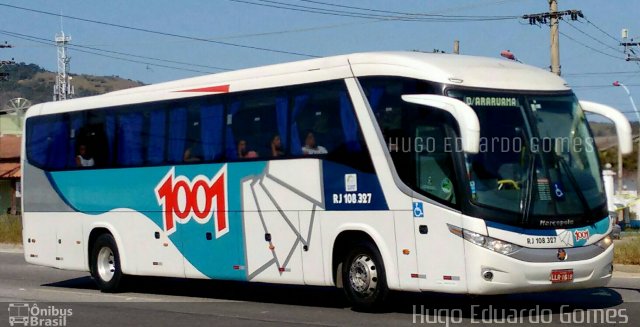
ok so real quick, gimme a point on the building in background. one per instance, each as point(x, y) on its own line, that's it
point(10, 140)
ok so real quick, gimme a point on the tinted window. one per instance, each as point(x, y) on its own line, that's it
point(261, 125)
point(49, 141)
point(420, 139)
point(324, 124)
point(252, 123)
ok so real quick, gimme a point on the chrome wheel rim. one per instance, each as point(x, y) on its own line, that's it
point(106, 264)
point(363, 275)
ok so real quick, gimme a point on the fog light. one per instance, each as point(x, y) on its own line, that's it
point(487, 275)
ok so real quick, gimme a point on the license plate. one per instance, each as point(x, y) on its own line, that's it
point(561, 276)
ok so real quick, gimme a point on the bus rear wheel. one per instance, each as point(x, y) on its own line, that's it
point(363, 277)
point(105, 264)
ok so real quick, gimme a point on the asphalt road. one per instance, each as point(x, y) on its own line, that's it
point(176, 302)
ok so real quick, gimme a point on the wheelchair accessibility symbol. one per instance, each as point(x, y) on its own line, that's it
point(418, 211)
point(558, 191)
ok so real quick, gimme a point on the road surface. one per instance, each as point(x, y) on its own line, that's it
point(177, 302)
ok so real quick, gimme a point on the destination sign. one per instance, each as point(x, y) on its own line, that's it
point(491, 101)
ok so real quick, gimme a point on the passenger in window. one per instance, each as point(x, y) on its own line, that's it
point(243, 151)
point(276, 147)
point(310, 147)
point(191, 154)
point(83, 159)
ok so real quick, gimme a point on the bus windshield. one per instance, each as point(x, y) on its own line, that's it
point(536, 158)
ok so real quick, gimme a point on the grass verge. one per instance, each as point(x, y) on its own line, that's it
point(10, 229)
point(627, 252)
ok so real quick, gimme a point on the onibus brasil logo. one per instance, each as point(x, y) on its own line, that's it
point(27, 314)
point(182, 199)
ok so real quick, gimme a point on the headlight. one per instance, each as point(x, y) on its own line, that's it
point(502, 247)
point(474, 238)
point(487, 242)
point(605, 242)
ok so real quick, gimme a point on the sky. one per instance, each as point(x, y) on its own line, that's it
point(584, 66)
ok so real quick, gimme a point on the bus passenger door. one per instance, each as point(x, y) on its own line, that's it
point(440, 253)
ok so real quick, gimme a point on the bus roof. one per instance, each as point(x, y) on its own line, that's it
point(461, 70)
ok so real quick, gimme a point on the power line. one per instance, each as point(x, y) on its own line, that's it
point(592, 37)
point(324, 12)
point(602, 73)
point(9, 33)
point(405, 13)
point(344, 13)
point(601, 30)
point(50, 43)
point(140, 29)
point(589, 47)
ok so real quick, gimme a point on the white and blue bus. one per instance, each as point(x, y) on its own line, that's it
point(371, 172)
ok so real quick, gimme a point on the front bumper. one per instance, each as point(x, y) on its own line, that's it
point(510, 275)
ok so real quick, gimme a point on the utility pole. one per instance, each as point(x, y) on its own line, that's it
point(63, 89)
point(630, 54)
point(553, 18)
point(555, 42)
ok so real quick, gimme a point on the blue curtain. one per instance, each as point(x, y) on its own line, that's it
point(77, 122)
point(375, 95)
point(130, 142)
point(157, 132)
point(38, 144)
point(231, 142)
point(349, 123)
point(110, 132)
point(49, 142)
point(177, 134)
point(211, 124)
point(282, 108)
point(299, 102)
point(58, 144)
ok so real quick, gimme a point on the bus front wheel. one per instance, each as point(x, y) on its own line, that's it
point(105, 263)
point(363, 277)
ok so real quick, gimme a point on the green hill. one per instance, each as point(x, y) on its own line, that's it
point(34, 83)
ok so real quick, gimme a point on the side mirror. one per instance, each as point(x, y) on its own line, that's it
point(623, 128)
point(463, 114)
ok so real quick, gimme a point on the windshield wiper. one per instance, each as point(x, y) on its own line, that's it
point(527, 197)
point(574, 183)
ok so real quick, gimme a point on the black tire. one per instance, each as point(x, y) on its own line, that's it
point(367, 293)
point(106, 242)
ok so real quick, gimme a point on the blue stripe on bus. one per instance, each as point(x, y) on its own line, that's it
point(367, 196)
point(99, 191)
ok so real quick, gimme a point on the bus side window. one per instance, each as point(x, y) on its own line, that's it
point(178, 125)
point(48, 141)
point(156, 136)
point(130, 141)
point(252, 123)
point(326, 112)
point(211, 131)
